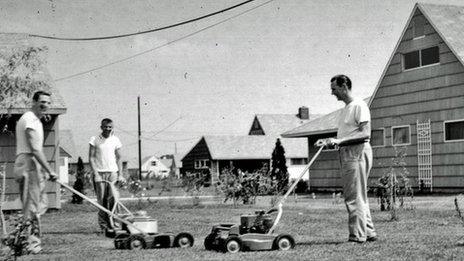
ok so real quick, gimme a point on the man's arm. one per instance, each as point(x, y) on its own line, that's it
point(117, 153)
point(92, 156)
point(33, 141)
point(363, 134)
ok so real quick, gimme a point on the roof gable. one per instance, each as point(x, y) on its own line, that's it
point(256, 128)
point(446, 20)
point(275, 124)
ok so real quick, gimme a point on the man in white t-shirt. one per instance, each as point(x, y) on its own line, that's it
point(31, 167)
point(353, 136)
point(105, 161)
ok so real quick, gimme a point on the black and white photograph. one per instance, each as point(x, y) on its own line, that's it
point(232, 130)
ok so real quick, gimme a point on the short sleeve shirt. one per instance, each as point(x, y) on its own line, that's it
point(351, 117)
point(28, 121)
point(105, 157)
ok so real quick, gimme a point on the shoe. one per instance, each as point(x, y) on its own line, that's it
point(110, 233)
point(372, 239)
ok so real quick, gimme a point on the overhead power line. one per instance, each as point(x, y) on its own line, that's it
point(140, 32)
point(161, 46)
point(151, 137)
point(161, 140)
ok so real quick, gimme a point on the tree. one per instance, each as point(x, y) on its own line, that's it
point(22, 73)
point(279, 171)
point(79, 183)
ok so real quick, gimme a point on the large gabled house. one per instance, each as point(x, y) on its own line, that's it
point(19, 81)
point(417, 105)
point(211, 154)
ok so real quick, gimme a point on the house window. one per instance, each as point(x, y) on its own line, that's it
point(201, 164)
point(421, 57)
point(378, 138)
point(401, 135)
point(153, 163)
point(418, 27)
point(454, 130)
point(298, 161)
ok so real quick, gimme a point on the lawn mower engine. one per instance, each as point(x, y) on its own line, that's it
point(260, 223)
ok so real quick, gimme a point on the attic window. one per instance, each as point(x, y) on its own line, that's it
point(418, 26)
point(421, 58)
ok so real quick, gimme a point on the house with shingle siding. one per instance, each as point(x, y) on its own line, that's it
point(417, 105)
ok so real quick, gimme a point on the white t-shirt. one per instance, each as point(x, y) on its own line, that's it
point(28, 121)
point(352, 115)
point(105, 157)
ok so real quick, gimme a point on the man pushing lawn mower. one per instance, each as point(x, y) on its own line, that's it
point(353, 136)
point(31, 170)
point(104, 158)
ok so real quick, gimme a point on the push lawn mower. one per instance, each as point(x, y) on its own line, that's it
point(137, 231)
point(255, 231)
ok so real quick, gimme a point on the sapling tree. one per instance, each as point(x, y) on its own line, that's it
point(193, 183)
point(394, 185)
point(80, 182)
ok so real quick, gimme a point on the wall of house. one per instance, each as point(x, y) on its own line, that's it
point(200, 151)
point(324, 174)
point(435, 92)
point(64, 169)
point(8, 154)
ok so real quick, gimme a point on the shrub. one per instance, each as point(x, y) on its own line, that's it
point(394, 185)
point(244, 186)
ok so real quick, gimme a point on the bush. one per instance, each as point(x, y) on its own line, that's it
point(244, 186)
point(302, 187)
point(394, 185)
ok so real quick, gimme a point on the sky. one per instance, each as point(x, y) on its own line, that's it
point(209, 77)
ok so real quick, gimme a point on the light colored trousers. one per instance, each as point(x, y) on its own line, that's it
point(105, 196)
point(31, 181)
point(356, 163)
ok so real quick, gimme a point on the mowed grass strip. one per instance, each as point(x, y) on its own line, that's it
point(429, 231)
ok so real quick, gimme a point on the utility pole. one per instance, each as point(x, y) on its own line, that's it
point(140, 141)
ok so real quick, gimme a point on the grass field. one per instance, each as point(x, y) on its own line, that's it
point(430, 231)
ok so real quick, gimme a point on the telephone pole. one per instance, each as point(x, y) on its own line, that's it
point(139, 137)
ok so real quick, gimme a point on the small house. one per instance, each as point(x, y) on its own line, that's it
point(20, 79)
point(212, 154)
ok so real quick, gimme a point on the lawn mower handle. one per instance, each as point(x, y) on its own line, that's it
point(292, 187)
point(100, 207)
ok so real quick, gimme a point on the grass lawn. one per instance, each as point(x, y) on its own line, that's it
point(430, 231)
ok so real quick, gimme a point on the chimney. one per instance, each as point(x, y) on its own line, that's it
point(303, 113)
